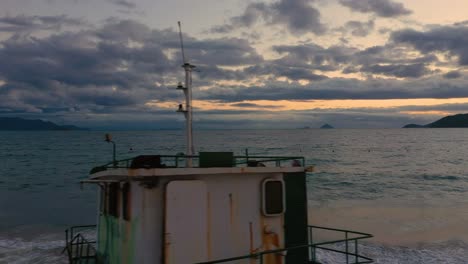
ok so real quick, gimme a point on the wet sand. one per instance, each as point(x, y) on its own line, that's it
point(395, 225)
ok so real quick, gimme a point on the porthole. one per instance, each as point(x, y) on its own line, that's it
point(273, 197)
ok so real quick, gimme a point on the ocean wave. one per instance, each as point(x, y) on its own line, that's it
point(19, 251)
point(449, 252)
point(440, 177)
point(45, 249)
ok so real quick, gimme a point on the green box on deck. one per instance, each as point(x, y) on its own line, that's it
point(216, 159)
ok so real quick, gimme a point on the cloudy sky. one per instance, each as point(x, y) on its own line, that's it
point(261, 64)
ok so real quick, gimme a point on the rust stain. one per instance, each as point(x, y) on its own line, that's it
point(208, 228)
point(167, 247)
point(236, 240)
point(252, 250)
point(261, 229)
point(166, 236)
point(251, 237)
point(231, 210)
point(270, 241)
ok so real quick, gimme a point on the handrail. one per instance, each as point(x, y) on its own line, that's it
point(76, 243)
point(175, 161)
point(359, 259)
point(341, 230)
point(346, 239)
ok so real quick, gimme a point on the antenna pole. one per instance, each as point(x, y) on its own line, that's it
point(181, 43)
point(188, 100)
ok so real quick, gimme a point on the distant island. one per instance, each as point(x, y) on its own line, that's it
point(455, 121)
point(326, 126)
point(16, 123)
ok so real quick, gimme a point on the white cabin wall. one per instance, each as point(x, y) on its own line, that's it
point(147, 214)
point(234, 210)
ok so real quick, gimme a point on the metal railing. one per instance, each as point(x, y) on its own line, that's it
point(313, 247)
point(79, 248)
point(179, 161)
point(349, 236)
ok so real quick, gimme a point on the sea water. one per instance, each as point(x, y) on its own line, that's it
point(408, 187)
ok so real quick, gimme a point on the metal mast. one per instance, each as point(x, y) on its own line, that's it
point(188, 100)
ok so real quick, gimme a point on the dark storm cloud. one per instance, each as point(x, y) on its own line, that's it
point(339, 88)
point(223, 52)
point(391, 54)
point(452, 75)
point(116, 30)
point(115, 69)
point(222, 29)
point(391, 60)
point(213, 72)
point(314, 57)
point(451, 39)
point(247, 105)
point(398, 70)
point(383, 8)
point(457, 108)
point(121, 64)
point(382, 60)
point(269, 70)
point(78, 59)
point(252, 14)
point(298, 16)
point(19, 23)
point(292, 73)
point(123, 3)
point(358, 28)
point(298, 62)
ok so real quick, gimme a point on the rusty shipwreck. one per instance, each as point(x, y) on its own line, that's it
point(213, 207)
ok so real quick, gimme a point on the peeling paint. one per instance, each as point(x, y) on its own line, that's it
point(167, 247)
point(231, 217)
point(252, 249)
point(209, 227)
point(116, 240)
point(231, 210)
point(270, 242)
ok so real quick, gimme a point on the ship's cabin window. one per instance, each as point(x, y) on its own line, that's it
point(113, 199)
point(126, 201)
point(273, 197)
point(102, 199)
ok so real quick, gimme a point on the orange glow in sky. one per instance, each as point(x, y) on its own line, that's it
point(285, 105)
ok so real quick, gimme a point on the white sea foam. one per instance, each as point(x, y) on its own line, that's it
point(450, 252)
point(44, 249)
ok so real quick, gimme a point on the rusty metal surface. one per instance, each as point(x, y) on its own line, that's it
point(122, 174)
point(208, 226)
point(234, 223)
